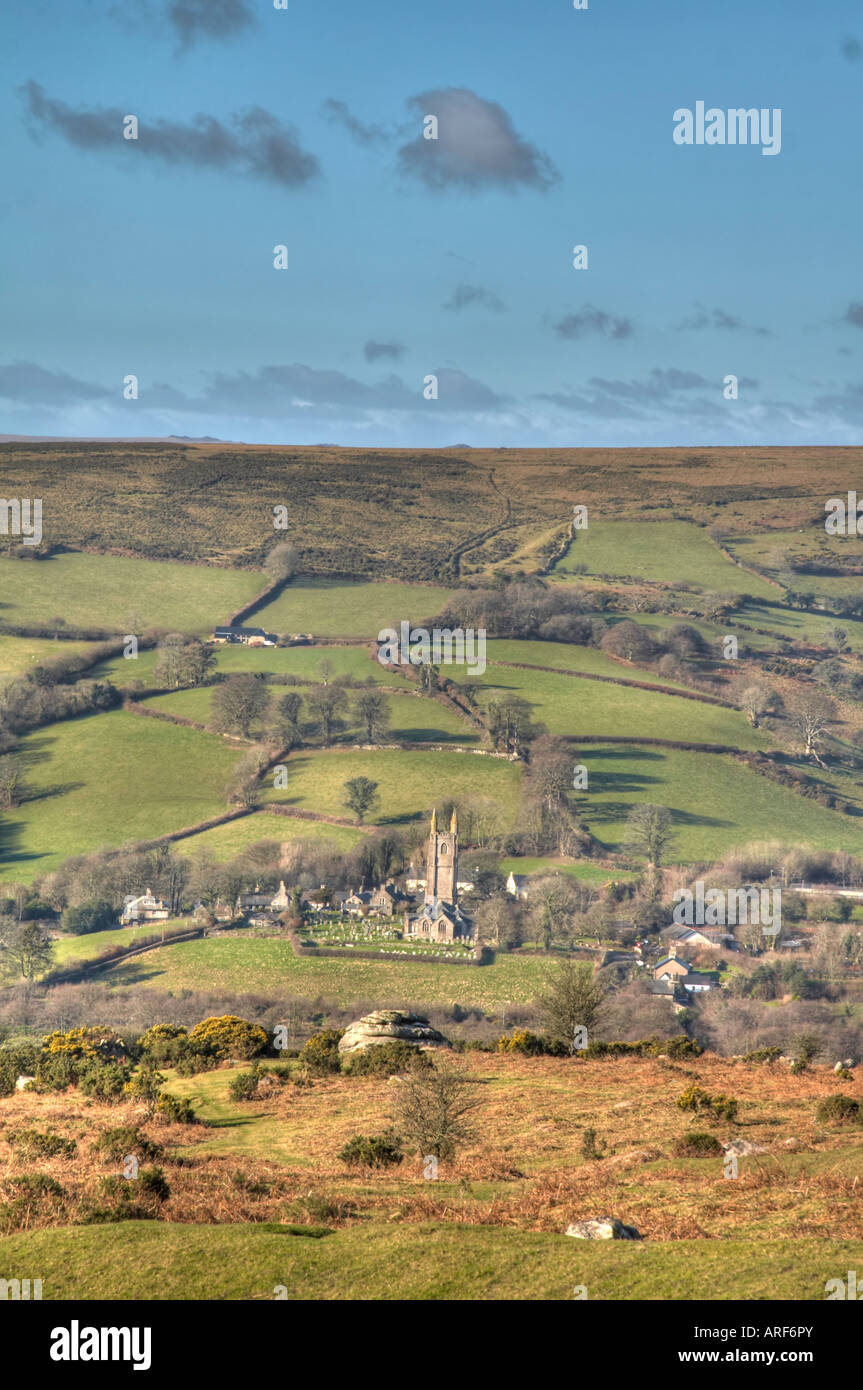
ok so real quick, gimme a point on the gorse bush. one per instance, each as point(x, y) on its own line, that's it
point(387, 1058)
point(28, 1197)
point(244, 1086)
point(320, 1054)
point(839, 1109)
point(697, 1144)
point(32, 1143)
point(372, 1151)
point(228, 1037)
point(701, 1102)
point(175, 1109)
point(114, 1145)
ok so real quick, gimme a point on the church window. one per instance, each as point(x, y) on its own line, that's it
point(443, 849)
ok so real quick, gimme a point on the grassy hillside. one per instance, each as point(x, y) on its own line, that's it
point(20, 654)
point(716, 803)
point(331, 609)
point(106, 780)
point(106, 591)
point(435, 1262)
point(408, 783)
point(226, 841)
point(673, 552)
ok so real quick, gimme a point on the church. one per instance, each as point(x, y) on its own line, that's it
point(440, 918)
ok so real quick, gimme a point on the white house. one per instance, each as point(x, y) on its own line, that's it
point(145, 908)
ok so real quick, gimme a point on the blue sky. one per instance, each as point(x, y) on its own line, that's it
point(409, 257)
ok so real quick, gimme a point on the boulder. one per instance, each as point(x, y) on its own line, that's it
point(743, 1147)
point(602, 1228)
point(23, 1082)
point(390, 1025)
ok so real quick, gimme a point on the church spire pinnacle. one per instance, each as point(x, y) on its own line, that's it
point(453, 825)
point(434, 821)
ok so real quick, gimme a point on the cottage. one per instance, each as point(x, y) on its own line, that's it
point(670, 968)
point(144, 908)
point(245, 636)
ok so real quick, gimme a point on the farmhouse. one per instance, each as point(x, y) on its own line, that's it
point(670, 968)
point(144, 908)
point(440, 918)
point(245, 636)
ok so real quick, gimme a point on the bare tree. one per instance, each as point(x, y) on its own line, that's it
point(810, 714)
point(430, 1109)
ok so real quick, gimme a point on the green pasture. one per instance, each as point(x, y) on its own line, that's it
point(334, 608)
point(669, 552)
point(106, 780)
point(109, 591)
point(224, 842)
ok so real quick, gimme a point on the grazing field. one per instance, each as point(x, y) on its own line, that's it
point(91, 944)
point(413, 718)
point(409, 783)
point(224, 842)
point(574, 708)
point(669, 552)
point(18, 655)
point(716, 803)
point(107, 591)
point(565, 656)
point(328, 608)
point(303, 662)
point(268, 966)
point(106, 780)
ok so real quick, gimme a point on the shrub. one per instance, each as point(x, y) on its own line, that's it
point(430, 1109)
point(56, 1073)
point(589, 1146)
point(254, 1187)
point(394, 1056)
point(114, 1144)
point(31, 1143)
point(101, 1044)
point(763, 1054)
point(228, 1037)
point(105, 1081)
point(701, 1102)
point(244, 1086)
point(523, 1041)
point(697, 1144)
point(840, 1108)
point(26, 1197)
point(372, 1151)
point(320, 1054)
point(175, 1109)
point(145, 1085)
point(165, 1044)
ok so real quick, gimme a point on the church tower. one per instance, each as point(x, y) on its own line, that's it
point(442, 875)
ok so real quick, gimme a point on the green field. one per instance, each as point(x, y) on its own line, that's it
point(565, 656)
point(267, 965)
point(303, 662)
point(20, 654)
point(328, 608)
point(107, 780)
point(409, 783)
point(107, 590)
point(413, 718)
point(93, 943)
point(669, 552)
point(147, 1260)
point(717, 804)
point(573, 708)
point(226, 841)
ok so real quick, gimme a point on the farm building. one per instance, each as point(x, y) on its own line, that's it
point(245, 636)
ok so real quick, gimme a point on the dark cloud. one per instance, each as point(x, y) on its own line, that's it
point(465, 295)
point(854, 314)
point(590, 320)
point(718, 318)
point(851, 48)
point(209, 19)
point(29, 384)
point(654, 396)
point(477, 146)
point(255, 142)
point(364, 134)
point(373, 351)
